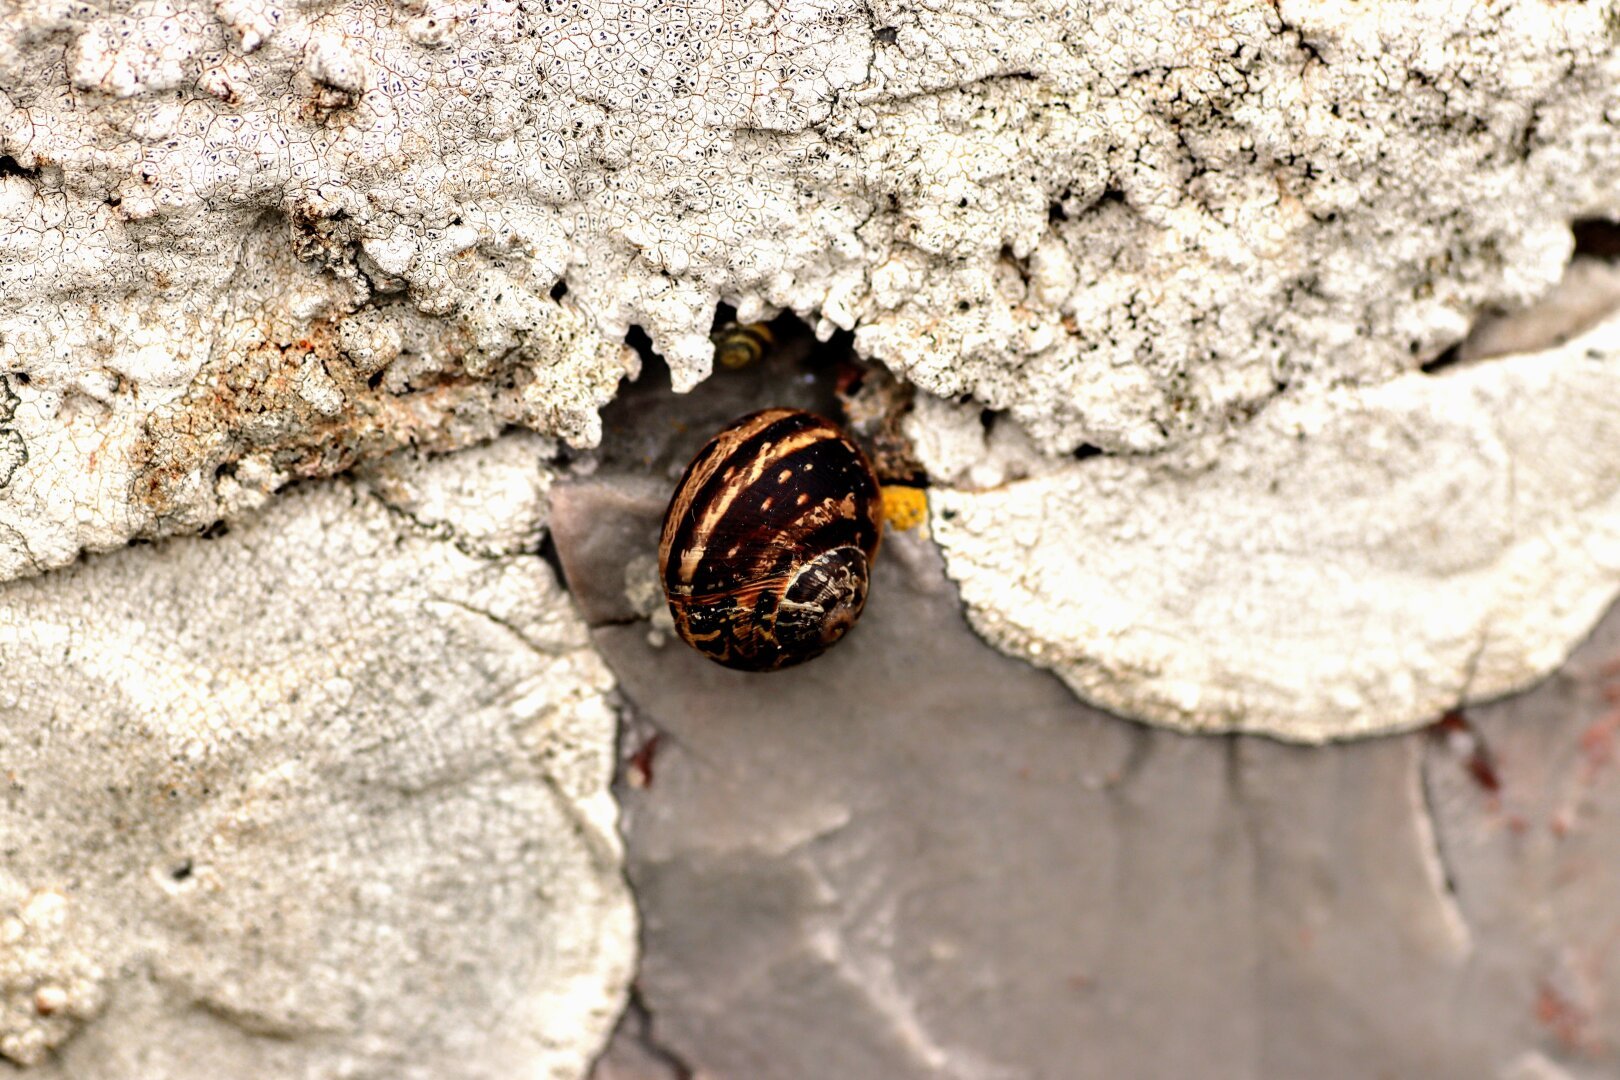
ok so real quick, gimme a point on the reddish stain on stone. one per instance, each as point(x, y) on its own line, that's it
point(1477, 759)
point(1568, 1021)
point(1598, 745)
point(1562, 822)
point(638, 772)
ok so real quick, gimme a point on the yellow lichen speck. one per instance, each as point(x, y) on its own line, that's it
point(904, 507)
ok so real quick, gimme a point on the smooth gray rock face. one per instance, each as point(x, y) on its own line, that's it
point(916, 857)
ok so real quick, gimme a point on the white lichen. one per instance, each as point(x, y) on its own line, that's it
point(332, 787)
point(1127, 225)
point(49, 983)
point(1350, 562)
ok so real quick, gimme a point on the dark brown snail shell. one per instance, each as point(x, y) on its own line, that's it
point(768, 541)
point(740, 345)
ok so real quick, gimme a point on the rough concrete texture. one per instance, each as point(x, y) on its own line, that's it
point(325, 796)
point(917, 857)
point(1348, 562)
point(243, 242)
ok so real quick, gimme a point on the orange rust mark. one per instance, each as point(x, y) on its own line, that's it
point(250, 405)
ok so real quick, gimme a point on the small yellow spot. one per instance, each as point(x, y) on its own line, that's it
point(766, 505)
point(784, 476)
point(801, 500)
point(905, 507)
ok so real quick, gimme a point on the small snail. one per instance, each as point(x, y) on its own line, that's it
point(740, 345)
point(768, 540)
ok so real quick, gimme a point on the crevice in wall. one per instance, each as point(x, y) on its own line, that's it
point(548, 551)
point(1588, 293)
point(1441, 362)
point(636, 1038)
point(649, 429)
point(1452, 738)
point(10, 166)
point(1596, 238)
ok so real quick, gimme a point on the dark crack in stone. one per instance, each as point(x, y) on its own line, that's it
point(13, 451)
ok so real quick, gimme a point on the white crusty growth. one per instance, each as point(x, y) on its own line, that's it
point(327, 794)
point(1351, 562)
point(1127, 224)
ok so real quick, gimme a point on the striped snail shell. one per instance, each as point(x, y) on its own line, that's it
point(768, 540)
point(740, 345)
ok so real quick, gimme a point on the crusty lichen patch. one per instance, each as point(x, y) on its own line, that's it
point(1127, 224)
point(13, 449)
point(332, 787)
point(1351, 563)
point(49, 984)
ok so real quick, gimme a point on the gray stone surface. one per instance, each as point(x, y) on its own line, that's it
point(917, 857)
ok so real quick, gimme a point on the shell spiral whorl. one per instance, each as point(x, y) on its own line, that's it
point(769, 539)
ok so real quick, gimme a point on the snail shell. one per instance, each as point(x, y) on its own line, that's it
point(740, 345)
point(768, 540)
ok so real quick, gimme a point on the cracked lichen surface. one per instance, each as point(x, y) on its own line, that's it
point(324, 796)
point(1349, 563)
point(244, 242)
